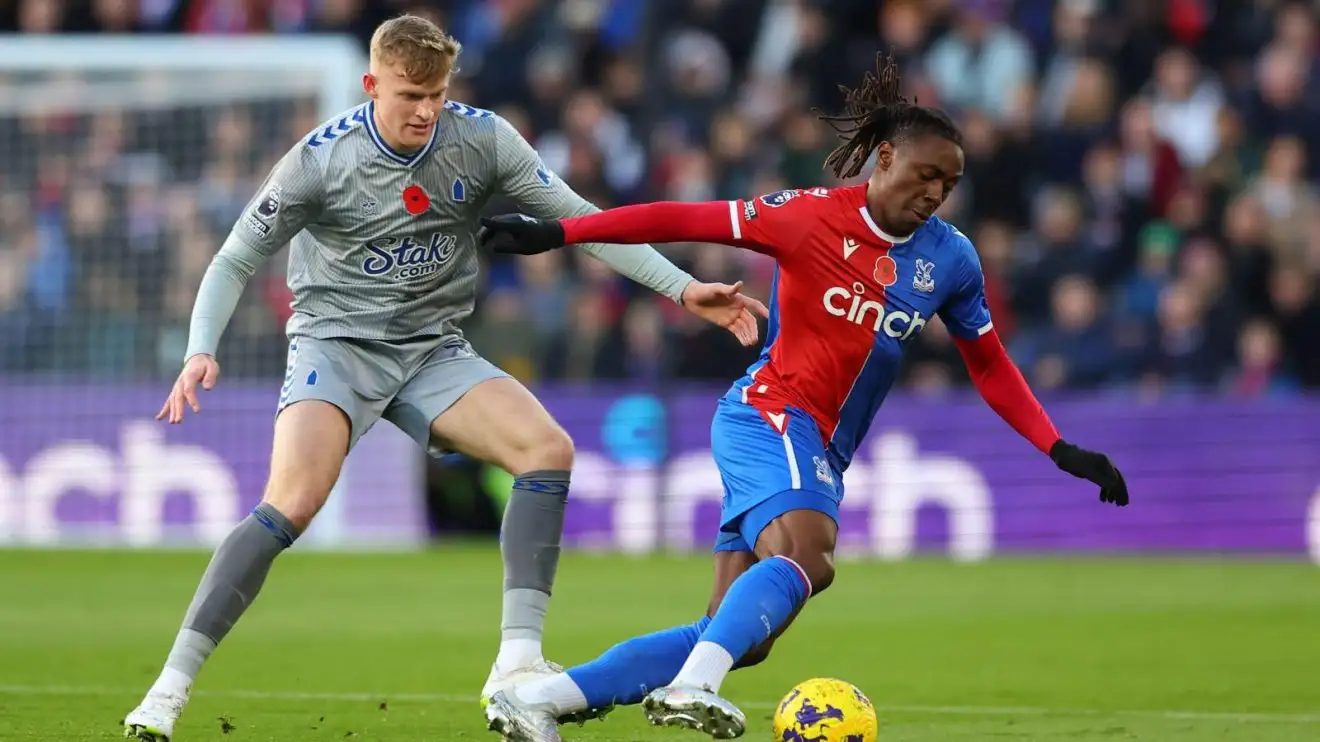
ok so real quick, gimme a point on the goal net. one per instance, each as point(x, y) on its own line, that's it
point(123, 164)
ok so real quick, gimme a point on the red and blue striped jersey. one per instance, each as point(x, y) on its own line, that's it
point(847, 298)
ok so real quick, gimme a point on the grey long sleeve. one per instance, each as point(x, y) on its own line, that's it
point(524, 178)
point(222, 285)
point(288, 200)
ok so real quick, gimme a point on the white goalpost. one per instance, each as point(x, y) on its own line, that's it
point(326, 68)
point(124, 161)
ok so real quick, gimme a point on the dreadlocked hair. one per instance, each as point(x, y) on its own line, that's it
point(876, 112)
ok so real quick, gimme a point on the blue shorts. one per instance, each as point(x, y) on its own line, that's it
point(767, 473)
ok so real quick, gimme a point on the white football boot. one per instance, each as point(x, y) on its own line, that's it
point(499, 681)
point(519, 721)
point(153, 720)
point(694, 708)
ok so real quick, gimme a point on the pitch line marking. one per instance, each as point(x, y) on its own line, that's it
point(1243, 717)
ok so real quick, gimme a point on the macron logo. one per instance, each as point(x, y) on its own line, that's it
point(777, 420)
point(849, 247)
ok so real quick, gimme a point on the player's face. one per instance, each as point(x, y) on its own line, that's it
point(913, 179)
point(406, 109)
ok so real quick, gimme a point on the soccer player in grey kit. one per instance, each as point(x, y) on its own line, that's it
point(380, 206)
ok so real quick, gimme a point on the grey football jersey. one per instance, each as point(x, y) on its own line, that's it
point(383, 244)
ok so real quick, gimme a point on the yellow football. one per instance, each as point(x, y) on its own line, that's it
point(825, 710)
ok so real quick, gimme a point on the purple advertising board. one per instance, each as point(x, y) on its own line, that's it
point(946, 475)
point(91, 465)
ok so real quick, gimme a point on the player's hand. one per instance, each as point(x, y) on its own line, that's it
point(200, 370)
point(1093, 466)
point(519, 234)
point(726, 306)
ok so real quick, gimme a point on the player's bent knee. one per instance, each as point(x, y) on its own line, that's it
point(549, 449)
point(821, 572)
point(300, 506)
point(806, 538)
point(311, 442)
point(816, 566)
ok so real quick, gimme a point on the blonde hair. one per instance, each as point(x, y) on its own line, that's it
point(426, 52)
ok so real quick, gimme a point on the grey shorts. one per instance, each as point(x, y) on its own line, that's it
point(409, 384)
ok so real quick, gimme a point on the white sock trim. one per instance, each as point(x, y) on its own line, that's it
point(706, 667)
point(516, 653)
point(559, 691)
point(172, 682)
point(801, 572)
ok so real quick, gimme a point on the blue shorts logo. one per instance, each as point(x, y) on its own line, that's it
point(779, 198)
point(824, 473)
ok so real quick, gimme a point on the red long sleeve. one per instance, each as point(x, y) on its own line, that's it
point(1002, 386)
point(664, 221)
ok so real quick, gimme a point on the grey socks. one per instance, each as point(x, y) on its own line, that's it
point(529, 543)
point(230, 584)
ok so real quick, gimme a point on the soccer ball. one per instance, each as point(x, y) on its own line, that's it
point(825, 710)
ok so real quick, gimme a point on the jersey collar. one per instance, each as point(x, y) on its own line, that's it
point(390, 153)
point(878, 232)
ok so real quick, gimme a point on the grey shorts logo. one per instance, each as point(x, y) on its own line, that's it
point(290, 366)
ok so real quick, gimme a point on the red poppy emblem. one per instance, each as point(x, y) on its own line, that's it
point(415, 200)
point(886, 271)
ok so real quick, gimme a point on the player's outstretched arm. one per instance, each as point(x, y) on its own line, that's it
point(287, 202)
point(222, 285)
point(721, 304)
point(522, 176)
point(1003, 387)
point(717, 222)
point(1001, 384)
point(664, 221)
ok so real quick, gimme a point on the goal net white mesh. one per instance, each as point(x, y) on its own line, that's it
point(120, 174)
point(123, 165)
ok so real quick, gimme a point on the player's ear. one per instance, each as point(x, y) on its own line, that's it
point(884, 156)
point(369, 84)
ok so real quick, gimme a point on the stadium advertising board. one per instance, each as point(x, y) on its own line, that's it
point(88, 464)
point(948, 475)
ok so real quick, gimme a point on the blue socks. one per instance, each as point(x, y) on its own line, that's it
point(758, 603)
point(631, 669)
point(700, 654)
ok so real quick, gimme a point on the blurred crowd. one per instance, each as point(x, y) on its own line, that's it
point(1141, 179)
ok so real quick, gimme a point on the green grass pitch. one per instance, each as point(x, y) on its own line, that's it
point(395, 647)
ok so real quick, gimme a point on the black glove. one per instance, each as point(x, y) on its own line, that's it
point(1093, 466)
point(519, 234)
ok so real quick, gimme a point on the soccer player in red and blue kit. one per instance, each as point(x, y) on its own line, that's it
point(860, 271)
